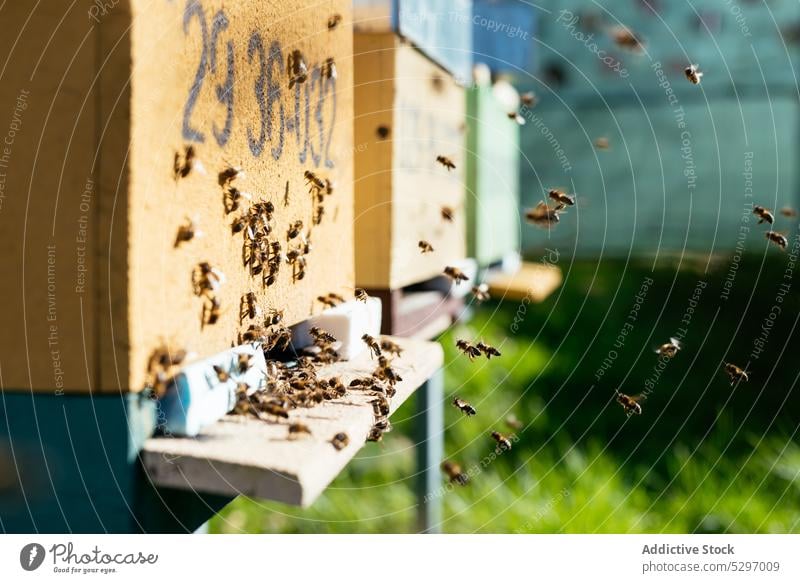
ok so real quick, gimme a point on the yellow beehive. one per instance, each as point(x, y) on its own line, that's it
point(106, 94)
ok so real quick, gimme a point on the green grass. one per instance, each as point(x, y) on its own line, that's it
point(703, 457)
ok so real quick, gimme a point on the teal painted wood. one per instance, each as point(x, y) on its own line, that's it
point(493, 226)
point(70, 464)
point(503, 35)
point(660, 188)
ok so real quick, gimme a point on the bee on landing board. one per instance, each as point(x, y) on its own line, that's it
point(471, 351)
point(372, 344)
point(464, 407)
point(544, 216)
point(275, 317)
point(340, 441)
point(669, 349)
point(561, 197)
point(778, 239)
point(630, 404)
point(503, 442)
point(454, 473)
point(425, 247)
point(487, 350)
point(446, 162)
point(455, 274)
point(390, 347)
point(361, 295)
point(298, 429)
point(693, 74)
point(735, 374)
point(763, 214)
point(481, 292)
point(222, 374)
point(321, 337)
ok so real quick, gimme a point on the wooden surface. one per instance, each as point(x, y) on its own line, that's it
point(534, 281)
point(147, 79)
point(246, 456)
point(400, 187)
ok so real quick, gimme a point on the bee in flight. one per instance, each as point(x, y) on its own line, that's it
point(446, 162)
point(298, 429)
point(481, 292)
point(503, 442)
point(630, 404)
point(467, 348)
point(454, 473)
point(455, 274)
point(544, 216)
point(561, 197)
point(669, 349)
point(528, 99)
point(693, 74)
point(778, 239)
point(763, 214)
point(425, 247)
point(361, 294)
point(372, 344)
point(602, 143)
point(487, 350)
point(516, 117)
point(788, 212)
point(735, 374)
point(513, 422)
point(464, 407)
point(625, 38)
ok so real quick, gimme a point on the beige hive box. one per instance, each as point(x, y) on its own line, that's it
point(103, 95)
point(408, 111)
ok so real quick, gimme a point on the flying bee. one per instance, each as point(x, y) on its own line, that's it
point(630, 404)
point(464, 407)
point(253, 334)
point(294, 230)
point(326, 301)
point(315, 182)
point(735, 374)
point(233, 198)
point(334, 20)
point(561, 197)
point(602, 143)
point(693, 74)
point(455, 274)
point(372, 344)
point(298, 429)
point(297, 68)
point(328, 69)
point(184, 163)
point(336, 297)
point(448, 213)
point(212, 310)
point(187, 232)
point(528, 99)
point(487, 350)
point(481, 292)
point(788, 212)
point(454, 473)
point(243, 362)
point(467, 348)
point(513, 422)
point(361, 294)
point(222, 374)
point(321, 337)
point(778, 239)
point(503, 442)
point(625, 38)
point(391, 347)
point(516, 118)
point(340, 441)
point(446, 162)
point(230, 174)
point(669, 349)
point(763, 214)
point(544, 216)
point(425, 247)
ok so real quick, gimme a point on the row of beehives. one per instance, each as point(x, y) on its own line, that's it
point(198, 157)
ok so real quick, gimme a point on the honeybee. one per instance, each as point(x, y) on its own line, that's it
point(446, 162)
point(372, 344)
point(275, 409)
point(448, 213)
point(693, 74)
point(380, 406)
point(383, 132)
point(625, 38)
point(503, 442)
point(279, 339)
point(454, 473)
point(481, 292)
point(763, 214)
point(602, 143)
point(187, 232)
point(334, 20)
point(778, 238)
point(630, 404)
point(206, 278)
point(425, 247)
point(561, 197)
point(516, 117)
point(328, 70)
point(230, 174)
point(243, 362)
point(669, 349)
point(464, 407)
point(315, 182)
point(375, 434)
point(390, 347)
point(222, 374)
point(487, 350)
point(735, 374)
point(544, 216)
point(163, 358)
point(212, 310)
point(248, 308)
point(294, 230)
point(361, 294)
point(340, 441)
point(788, 212)
point(275, 317)
point(184, 163)
point(326, 301)
point(455, 274)
point(298, 71)
point(528, 99)
point(321, 337)
point(471, 351)
point(386, 372)
point(297, 429)
point(253, 334)
point(238, 225)
point(298, 269)
point(513, 422)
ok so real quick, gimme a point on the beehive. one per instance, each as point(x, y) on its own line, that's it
point(409, 111)
point(106, 94)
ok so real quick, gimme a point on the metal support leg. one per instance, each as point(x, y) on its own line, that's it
point(430, 450)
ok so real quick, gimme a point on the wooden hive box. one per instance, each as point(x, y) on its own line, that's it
point(104, 95)
point(493, 154)
point(408, 112)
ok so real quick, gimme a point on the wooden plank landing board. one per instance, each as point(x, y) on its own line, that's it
point(247, 456)
point(534, 281)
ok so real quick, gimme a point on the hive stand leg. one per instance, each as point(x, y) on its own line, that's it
point(430, 449)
